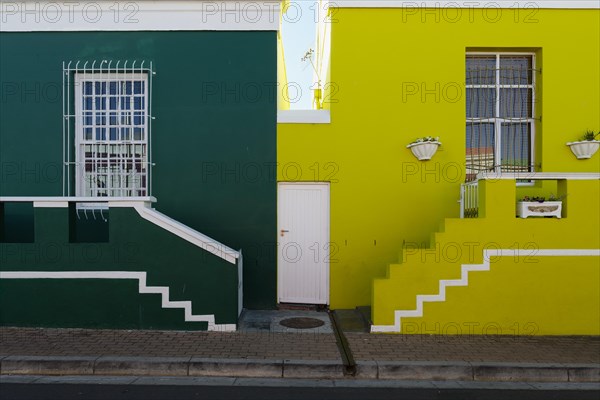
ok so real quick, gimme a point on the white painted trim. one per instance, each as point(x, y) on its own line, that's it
point(92, 206)
point(140, 15)
point(74, 199)
point(50, 204)
point(143, 288)
point(117, 146)
point(303, 117)
point(538, 4)
point(464, 279)
point(196, 238)
point(573, 176)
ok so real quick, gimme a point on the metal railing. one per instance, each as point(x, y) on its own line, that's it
point(469, 200)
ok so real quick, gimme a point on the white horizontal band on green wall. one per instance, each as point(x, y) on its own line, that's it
point(140, 15)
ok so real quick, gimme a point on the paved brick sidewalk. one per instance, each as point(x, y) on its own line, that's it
point(235, 345)
point(470, 348)
point(32, 351)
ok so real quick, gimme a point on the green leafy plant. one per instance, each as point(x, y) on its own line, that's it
point(426, 139)
point(589, 135)
point(541, 199)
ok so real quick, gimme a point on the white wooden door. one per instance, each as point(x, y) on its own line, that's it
point(303, 243)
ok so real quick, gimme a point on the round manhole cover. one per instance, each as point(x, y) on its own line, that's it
point(301, 323)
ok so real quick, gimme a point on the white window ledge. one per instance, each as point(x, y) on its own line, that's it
point(303, 117)
point(63, 202)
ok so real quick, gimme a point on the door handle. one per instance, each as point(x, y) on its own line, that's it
point(283, 231)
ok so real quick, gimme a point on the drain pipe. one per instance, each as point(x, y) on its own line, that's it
point(343, 346)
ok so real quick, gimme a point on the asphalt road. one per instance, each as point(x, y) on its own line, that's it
point(14, 391)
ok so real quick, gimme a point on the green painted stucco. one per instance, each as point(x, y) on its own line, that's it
point(213, 143)
point(134, 245)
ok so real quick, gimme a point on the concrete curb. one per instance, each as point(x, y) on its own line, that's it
point(480, 371)
point(425, 370)
point(236, 367)
point(306, 369)
point(313, 369)
point(142, 366)
point(43, 365)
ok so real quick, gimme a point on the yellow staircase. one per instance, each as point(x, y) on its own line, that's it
point(498, 274)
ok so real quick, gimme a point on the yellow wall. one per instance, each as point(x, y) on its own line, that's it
point(381, 196)
point(548, 294)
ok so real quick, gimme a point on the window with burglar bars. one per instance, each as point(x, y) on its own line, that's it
point(500, 126)
point(111, 133)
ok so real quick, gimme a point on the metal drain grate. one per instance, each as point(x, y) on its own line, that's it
point(301, 323)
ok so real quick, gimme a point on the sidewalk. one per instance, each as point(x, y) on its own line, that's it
point(269, 354)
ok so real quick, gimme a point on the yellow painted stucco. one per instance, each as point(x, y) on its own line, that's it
point(556, 294)
point(399, 76)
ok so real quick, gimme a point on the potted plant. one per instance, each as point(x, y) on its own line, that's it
point(424, 148)
point(539, 207)
point(586, 146)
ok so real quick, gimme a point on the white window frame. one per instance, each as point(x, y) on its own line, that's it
point(497, 121)
point(81, 142)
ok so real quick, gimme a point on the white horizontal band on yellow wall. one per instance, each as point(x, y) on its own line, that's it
point(548, 4)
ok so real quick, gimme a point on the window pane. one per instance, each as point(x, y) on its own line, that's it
point(138, 87)
point(516, 70)
point(100, 88)
point(100, 119)
point(87, 103)
point(481, 70)
point(126, 118)
point(113, 88)
point(126, 89)
point(138, 118)
point(481, 103)
point(138, 134)
point(88, 88)
point(100, 103)
point(138, 103)
point(100, 133)
point(480, 148)
point(125, 133)
point(113, 134)
point(515, 103)
point(113, 103)
point(87, 118)
point(515, 148)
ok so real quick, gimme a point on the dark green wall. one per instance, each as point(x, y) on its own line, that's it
point(134, 245)
point(213, 139)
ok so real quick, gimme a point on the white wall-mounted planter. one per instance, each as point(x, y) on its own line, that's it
point(536, 209)
point(584, 149)
point(423, 150)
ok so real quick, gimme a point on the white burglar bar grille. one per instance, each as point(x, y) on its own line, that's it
point(110, 120)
